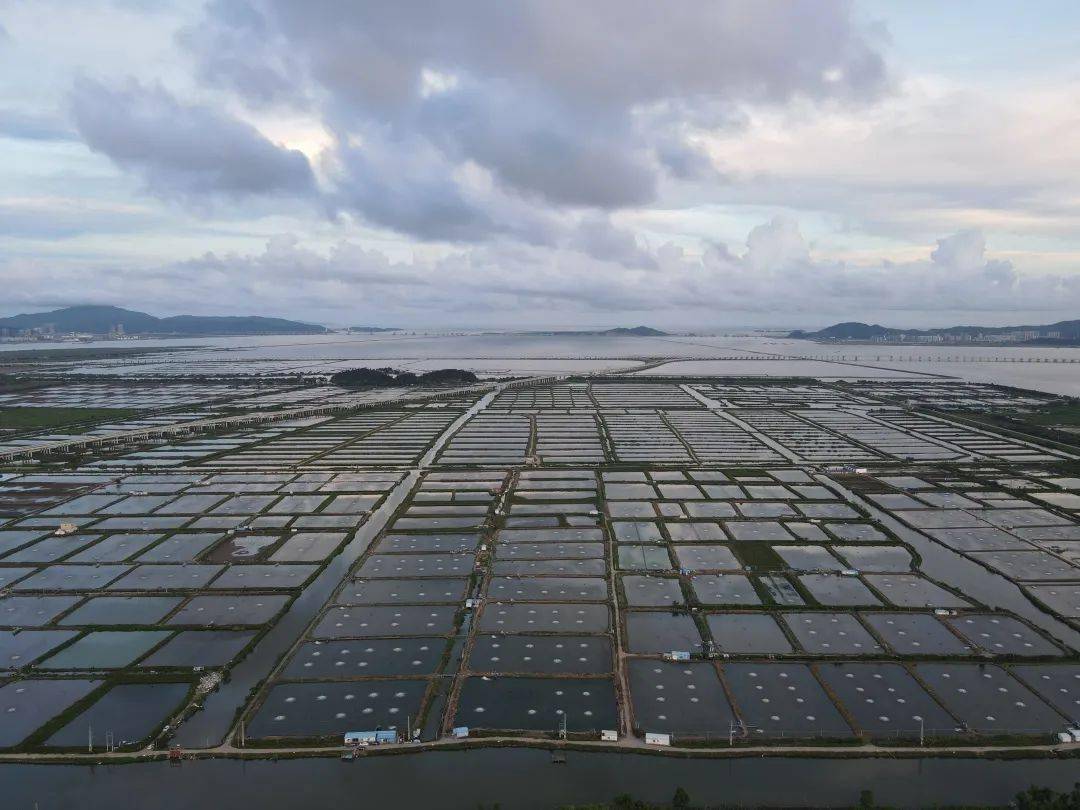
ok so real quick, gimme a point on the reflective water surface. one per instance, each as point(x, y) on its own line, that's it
point(524, 778)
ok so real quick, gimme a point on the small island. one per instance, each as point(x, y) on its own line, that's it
point(357, 378)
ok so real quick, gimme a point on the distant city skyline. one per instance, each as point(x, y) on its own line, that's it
point(544, 164)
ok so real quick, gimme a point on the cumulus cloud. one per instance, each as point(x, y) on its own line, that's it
point(962, 251)
point(184, 150)
point(778, 243)
point(770, 281)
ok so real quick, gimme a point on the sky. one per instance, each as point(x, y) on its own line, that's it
point(544, 163)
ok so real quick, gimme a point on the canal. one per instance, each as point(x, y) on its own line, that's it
point(525, 778)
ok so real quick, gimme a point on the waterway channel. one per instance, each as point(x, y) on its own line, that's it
point(517, 778)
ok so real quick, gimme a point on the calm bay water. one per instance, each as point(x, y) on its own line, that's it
point(503, 354)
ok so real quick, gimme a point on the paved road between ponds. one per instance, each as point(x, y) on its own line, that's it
point(216, 722)
point(628, 744)
point(209, 727)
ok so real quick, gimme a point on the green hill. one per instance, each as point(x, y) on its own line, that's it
point(102, 319)
point(1064, 331)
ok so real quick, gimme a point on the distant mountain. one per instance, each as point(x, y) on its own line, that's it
point(98, 319)
point(849, 330)
point(1060, 332)
point(374, 329)
point(103, 319)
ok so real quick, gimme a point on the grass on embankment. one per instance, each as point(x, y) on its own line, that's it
point(1054, 415)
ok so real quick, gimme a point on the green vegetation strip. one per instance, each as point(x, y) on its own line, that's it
point(1017, 426)
point(35, 418)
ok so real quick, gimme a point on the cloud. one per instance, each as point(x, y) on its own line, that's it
point(772, 281)
point(542, 149)
point(560, 107)
point(237, 50)
point(182, 150)
point(778, 243)
point(598, 237)
point(686, 161)
point(611, 53)
point(934, 156)
point(64, 217)
point(962, 251)
point(408, 187)
point(33, 126)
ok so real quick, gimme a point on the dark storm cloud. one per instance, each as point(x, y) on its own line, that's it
point(564, 105)
point(183, 150)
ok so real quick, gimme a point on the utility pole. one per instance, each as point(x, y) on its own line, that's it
point(90, 739)
point(922, 729)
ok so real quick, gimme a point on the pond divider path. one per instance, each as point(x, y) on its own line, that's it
point(213, 724)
